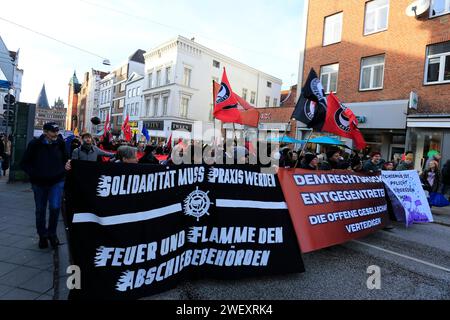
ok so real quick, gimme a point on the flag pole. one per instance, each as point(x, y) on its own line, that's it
point(304, 146)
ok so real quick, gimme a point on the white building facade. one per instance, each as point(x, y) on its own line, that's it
point(105, 97)
point(134, 101)
point(177, 88)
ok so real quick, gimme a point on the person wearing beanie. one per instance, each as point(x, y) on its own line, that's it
point(388, 166)
point(310, 162)
point(333, 160)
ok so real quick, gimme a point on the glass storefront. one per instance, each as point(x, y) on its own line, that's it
point(421, 141)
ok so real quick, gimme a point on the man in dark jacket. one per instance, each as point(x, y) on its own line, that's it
point(44, 161)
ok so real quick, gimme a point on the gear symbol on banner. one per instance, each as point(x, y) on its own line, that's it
point(197, 204)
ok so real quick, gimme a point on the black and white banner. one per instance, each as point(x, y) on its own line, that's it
point(136, 230)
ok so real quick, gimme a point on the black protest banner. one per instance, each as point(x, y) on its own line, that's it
point(136, 230)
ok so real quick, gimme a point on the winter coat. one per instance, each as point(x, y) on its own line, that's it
point(44, 161)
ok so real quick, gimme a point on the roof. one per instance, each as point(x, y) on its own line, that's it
point(74, 79)
point(13, 54)
point(138, 56)
point(42, 101)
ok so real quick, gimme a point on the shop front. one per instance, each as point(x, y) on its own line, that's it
point(428, 133)
point(383, 126)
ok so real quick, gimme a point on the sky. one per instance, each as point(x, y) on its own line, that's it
point(263, 34)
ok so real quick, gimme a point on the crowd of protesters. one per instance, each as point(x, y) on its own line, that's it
point(48, 157)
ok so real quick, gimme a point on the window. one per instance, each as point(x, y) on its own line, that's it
point(165, 105)
point(328, 77)
point(372, 73)
point(275, 102)
point(158, 78)
point(216, 64)
point(121, 103)
point(122, 87)
point(269, 84)
point(244, 94)
point(438, 63)
point(134, 92)
point(184, 107)
point(155, 106)
point(147, 108)
point(138, 106)
point(439, 7)
point(138, 91)
point(129, 93)
point(187, 77)
point(252, 97)
point(267, 101)
point(332, 29)
point(168, 71)
point(150, 80)
point(376, 18)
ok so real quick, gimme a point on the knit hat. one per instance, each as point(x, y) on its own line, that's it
point(309, 157)
point(330, 153)
point(51, 126)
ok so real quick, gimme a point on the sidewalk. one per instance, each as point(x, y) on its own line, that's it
point(27, 272)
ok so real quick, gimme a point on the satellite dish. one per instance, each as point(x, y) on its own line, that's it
point(417, 8)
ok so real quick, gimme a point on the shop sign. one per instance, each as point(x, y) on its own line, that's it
point(154, 125)
point(181, 126)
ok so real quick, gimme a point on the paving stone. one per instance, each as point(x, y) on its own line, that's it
point(20, 294)
point(6, 268)
point(18, 276)
point(41, 283)
point(5, 289)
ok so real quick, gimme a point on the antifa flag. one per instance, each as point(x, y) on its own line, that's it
point(136, 230)
point(341, 121)
point(312, 105)
point(229, 107)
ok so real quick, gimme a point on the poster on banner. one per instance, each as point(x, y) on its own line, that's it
point(333, 207)
point(407, 188)
point(136, 230)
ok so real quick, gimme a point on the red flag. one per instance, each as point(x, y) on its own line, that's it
point(341, 120)
point(126, 129)
point(229, 107)
point(107, 129)
point(169, 143)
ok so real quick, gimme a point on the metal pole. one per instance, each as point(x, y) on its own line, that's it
point(7, 123)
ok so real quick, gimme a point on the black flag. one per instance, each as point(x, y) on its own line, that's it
point(311, 107)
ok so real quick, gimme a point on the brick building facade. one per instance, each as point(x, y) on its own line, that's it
point(373, 55)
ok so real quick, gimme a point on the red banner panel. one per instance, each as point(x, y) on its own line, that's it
point(333, 207)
